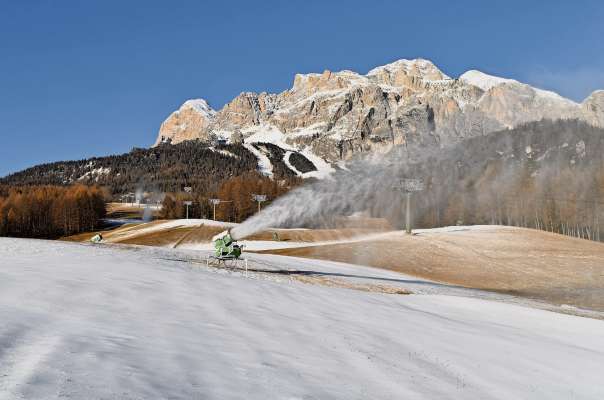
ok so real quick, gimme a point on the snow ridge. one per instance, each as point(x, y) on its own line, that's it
point(482, 80)
point(486, 82)
point(418, 67)
point(201, 106)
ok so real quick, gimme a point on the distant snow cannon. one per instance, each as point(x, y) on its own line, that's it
point(225, 248)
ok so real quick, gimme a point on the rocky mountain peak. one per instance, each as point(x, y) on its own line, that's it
point(593, 108)
point(406, 72)
point(193, 117)
point(334, 115)
point(307, 84)
point(595, 97)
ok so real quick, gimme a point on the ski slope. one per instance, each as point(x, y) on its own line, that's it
point(116, 322)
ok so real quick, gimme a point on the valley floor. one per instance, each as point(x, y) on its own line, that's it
point(131, 322)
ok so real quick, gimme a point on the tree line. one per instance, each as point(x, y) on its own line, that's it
point(546, 175)
point(235, 195)
point(561, 203)
point(50, 211)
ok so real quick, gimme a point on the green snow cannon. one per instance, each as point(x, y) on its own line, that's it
point(225, 248)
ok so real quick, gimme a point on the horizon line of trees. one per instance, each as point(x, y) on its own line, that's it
point(572, 216)
point(50, 212)
point(550, 177)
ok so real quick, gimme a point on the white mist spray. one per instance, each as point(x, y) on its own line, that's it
point(147, 213)
point(365, 185)
point(138, 195)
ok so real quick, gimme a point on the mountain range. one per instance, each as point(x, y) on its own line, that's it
point(334, 115)
point(312, 129)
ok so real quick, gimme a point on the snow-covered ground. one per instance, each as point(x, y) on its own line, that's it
point(271, 134)
point(116, 322)
point(175, 223)
point(264, 164)
point(158, 226)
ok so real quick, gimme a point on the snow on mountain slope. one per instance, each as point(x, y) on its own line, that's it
point(419, 67)
point(486, 82)
point(201, 106)
point(111, 322)
point(271, 134)
point(482, 80)
point(264, 164)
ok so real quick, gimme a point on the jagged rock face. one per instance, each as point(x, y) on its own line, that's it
point(515, 103)
point(593, 108)
point(414, 74)
point(247, 109)
point(339, 114)
point(191, 121)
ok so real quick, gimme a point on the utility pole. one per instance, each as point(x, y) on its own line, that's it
point(189, 190)
point(597, 223)
point(260, 198)
point(408, 186)
point(188, 203)
point(215, 202)
point(408, 214)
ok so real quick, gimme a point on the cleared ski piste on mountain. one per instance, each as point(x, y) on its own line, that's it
point(84, 321)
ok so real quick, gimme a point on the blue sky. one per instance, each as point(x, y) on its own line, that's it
point(85, 78)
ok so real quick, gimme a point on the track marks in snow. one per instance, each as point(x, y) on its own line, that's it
point(22, 356)
point(137, 323)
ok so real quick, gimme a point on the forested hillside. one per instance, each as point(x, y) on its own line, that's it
point(164, 168)
point(547, 175)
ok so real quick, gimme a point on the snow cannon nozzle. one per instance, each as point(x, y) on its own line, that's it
point(220, 235)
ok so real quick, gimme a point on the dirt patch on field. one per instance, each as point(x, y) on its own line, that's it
point(340, 283)
point(127, 211)
point(523, 262)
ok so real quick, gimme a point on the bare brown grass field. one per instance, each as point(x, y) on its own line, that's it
point(524, 262)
